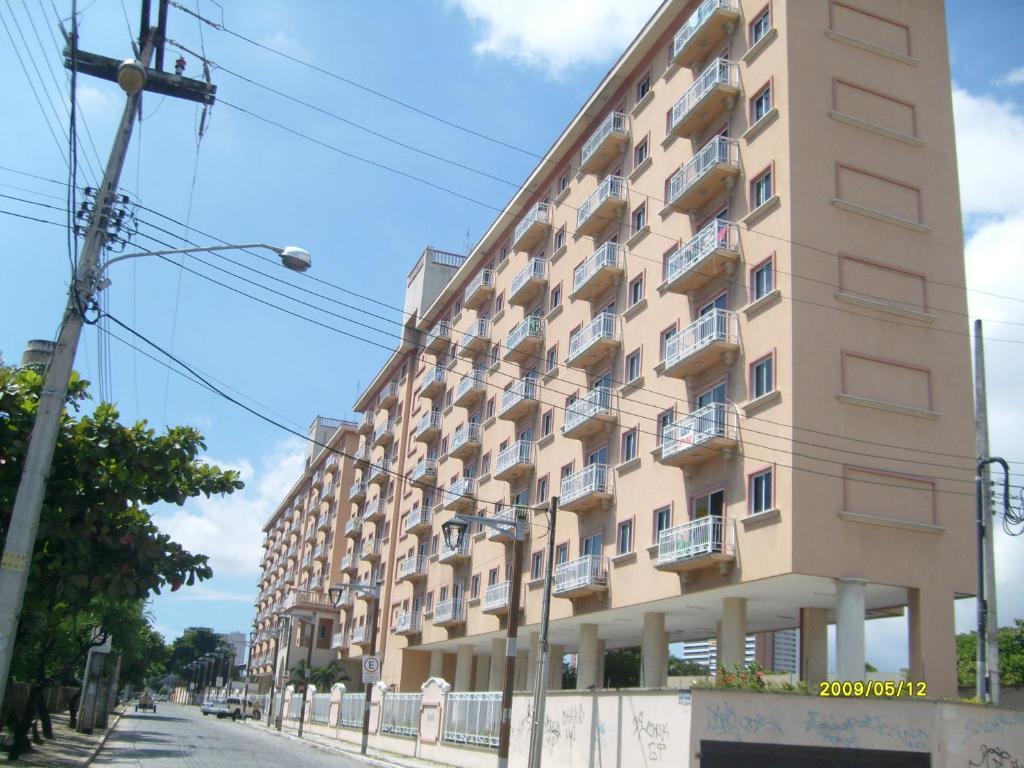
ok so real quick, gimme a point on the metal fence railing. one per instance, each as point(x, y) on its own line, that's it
point(400, 713)
point(350, 714)
point(321, 708)
point(295, 706)
point(472, 718)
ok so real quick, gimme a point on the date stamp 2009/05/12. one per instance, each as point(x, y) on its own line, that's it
point(870, 689)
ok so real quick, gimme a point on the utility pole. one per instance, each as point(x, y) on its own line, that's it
point(540, 690)
point(287, 659)
point(309, 664)
point(368, 693)
point(988, 626)
point(134, 76)
point(505, 728)
point(273, 676)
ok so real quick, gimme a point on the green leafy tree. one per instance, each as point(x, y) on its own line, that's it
point(680, 668)
point(97, 545)
point(1011, 656)
point(302, 675)
point(324, 677)
point(622, 668)
point(193, 644)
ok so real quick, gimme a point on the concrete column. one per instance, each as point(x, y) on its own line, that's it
point(437, 663)
point(732, 641)
point(483, 673)
point(654, 652)
point(850, 628)
point(932, 639)
point(556, 653)
point(497, 675)
point(533, 658)
point(522, 668)
point(587, 660)
point(464, 668)
point(813, 646)
point(601, 649)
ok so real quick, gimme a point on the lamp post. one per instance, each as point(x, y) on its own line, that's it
point(275, 636)
point(454, 530)
point(285, 631)
point(248, 672)
point(311, 620)
point(373, 591)
point(89, 280)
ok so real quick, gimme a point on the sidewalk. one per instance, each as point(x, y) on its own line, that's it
point(68, 748)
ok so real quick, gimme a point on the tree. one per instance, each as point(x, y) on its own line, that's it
point(1011, 656)
point(325, 677)
point(681, 668)
point(97, 546)
point(193, 644)
point(622, 668)
point(302, 675)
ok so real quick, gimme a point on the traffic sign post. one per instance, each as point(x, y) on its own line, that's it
point(371, 670)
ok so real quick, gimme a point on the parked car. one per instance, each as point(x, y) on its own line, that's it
point(232, 707)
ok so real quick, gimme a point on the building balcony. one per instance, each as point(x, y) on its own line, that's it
point(439, 337)
point(324, 523)
point(380, 471)
point(353, 527)
point(307, 561)
point(710, 172)
point(532, 228)
point(603, 269)
point(715, 92)
point(375, 510)
point(370, 551)
point(507, 533)
point(317, 479)
point(603, 207)
point(339, 641)
point(528, 286)
point(469, 389)
point(362, 594)
point(461, 495)
point(362, 635)
point(516, 461)
point(449, 613)
point(412, 568)
point(595, 412)
point(320, 552)
point(357, 492)
point(707, 432)
point(418, 520)
point(465, 442)
point(349, 562)
point(428, 428)
point(310, 532)
point(595, 342)
point(409, 623)
point(384, 434)
point(451, 555)
point(304, 600)
point(519, 399)
point(496, 598)
point(605, 144)
point(476, 338)
point(480, 290)
point(700, 346)
point(388, 396)
point(432, 383)
point(581, 577)
point(362, 457)
point(424, 474)
point(526, 341)
point(699, 543)
point(710, 24)
point(586, 489)
point(711, 253)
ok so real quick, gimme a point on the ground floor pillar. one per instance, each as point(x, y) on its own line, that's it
point(464, 668)
point(931, 635)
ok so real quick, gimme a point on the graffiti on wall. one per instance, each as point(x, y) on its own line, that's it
point(1001, 724)
point(722, 718)
point(848, 731)
point(563, 727)
point(652, 735)
point(994, 757)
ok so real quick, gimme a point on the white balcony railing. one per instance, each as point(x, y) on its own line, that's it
point(719, 72)
point(484, 279)
point(496, 596)
point(470, 381)
point(535, 269)
point(530, 327)
point(446, 552)
point(609, 255)
point(409, 621)
point(603, 327)
point(718, 325)
point(522, 389)
point(616, 122)
point(718, 150)
point(439, 334)
point(462, 488)
point(423, 471)
point(704, 536)
point(418, 517)
point(467, 434)
point(697, 20)
point(718, 235)
point(717, 420)
point(387, 428)
point(431, 420)
point(594, 478)
point(412, 566)
point(358, 490)
point(433, 376)
point(586, 571)
point(610, 186)
point(520, 452)
point(447, 611)
point(596, 402)
point(479, 329)
point(361, 634)
point(540, 213)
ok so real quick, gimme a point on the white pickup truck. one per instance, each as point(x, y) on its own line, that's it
point(232, 707)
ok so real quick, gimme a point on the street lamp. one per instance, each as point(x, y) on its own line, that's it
point(20, 541)
point(373, 591)
point(454, 530)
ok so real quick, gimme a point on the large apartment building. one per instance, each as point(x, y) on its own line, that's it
point(724, 321)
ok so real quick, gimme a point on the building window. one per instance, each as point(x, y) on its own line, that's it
point(555, 299)
point(663, 340)
point(563, 183)
point(542, 489)
point(503, 255)
point(537, 564)
point(764, 279)
point(761, 104)
point(489, 409)
point(640, 153)
point(494, 354)
point(640, 218)
point(762, 377)
point(629, 445)
point(761, 492)
point(662, 521)
point(547, 423)
point(760, 26)
point(434, 543)
point(444, 445)
point(474, 587)
point(492, 577)
point(448, 399)
point(665, 420)
point(551, 359)
point(643, 87)
point(636, 290)
point(560, 239)
point(762, 189)
point(709, 504)
point(499, 302)
point(485, 464)
point(624, 538)
point(633, 366)
point(561, 554)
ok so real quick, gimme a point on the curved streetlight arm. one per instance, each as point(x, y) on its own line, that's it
point(172, 251)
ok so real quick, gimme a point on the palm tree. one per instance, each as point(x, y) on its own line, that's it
point(301, 676)
point(324, 677)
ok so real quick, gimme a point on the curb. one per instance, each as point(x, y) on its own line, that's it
point(377, 762)
point(103, 741)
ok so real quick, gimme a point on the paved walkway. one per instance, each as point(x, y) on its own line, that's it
point(68, 748)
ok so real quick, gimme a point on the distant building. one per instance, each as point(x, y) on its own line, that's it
point(237, 642)
point(776, 651)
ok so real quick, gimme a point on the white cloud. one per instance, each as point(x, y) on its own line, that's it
point(286, 43)
point(1013, 77)
point(204, 593)
point(555, 36)
point(228, 529)
point(989, 134)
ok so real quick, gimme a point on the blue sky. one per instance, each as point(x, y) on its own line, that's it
point(515, 71)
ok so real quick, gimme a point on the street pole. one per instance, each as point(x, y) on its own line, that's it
point(540, 689)
point(28, 503)
point(309, 664)
point(367, 693)
point(988, 657)
point(287, 661)
point(505, 727)
point(273, 679)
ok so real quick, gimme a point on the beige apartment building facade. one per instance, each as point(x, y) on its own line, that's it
point(724, 321)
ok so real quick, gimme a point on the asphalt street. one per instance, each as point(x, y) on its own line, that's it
point(180, 737)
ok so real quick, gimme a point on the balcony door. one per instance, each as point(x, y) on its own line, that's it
point(600, 456)
point(593, 545)
point(526, 435)
point(712, 423)
point(710, 329)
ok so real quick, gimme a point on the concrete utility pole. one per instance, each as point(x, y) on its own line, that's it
point(309, 666)
point(540, 690)
point(988, 638)
point(133, 76)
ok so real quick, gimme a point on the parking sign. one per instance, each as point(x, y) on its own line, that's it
point(371, 669)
